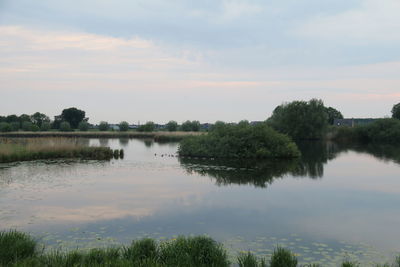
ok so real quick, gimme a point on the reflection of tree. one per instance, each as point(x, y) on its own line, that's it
point(124, 142)
point(103, 141)
point(148, 142)
point(260, 173)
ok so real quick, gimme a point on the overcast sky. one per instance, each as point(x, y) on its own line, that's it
point(205, 60)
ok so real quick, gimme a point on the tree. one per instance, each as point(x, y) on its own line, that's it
point(27, 126)
point(148, 127)
point(103, 126)
point(5, 127)
point(65, 126)
point(300, 119)
point(190, 126)
point(396, 111)
point(83, 126)
point(74, 116)
point(172, 126)
point(45, 126)
point(333, 114)
point(39, 118)
point(123, 126)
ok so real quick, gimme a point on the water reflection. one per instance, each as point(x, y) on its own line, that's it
point(261, 173)
point(124, 142)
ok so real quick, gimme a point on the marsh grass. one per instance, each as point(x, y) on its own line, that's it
point(12, 150)
point(19, 250)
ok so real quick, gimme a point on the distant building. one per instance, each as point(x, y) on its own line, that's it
point(352, 122)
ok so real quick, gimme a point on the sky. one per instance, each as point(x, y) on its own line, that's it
point(153, 60)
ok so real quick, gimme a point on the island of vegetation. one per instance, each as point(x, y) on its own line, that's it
point(21, 249)
point(241, 140)
point(52, 148)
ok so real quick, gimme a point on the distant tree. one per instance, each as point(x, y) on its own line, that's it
point(12, 118)
point(57, 122)
point(396, 111)
point(5, 127)
point(65, 126)
point(148, 127)
point(35, 128)
point(300, 119)
point(190, 126)
point(27, 126)
point(172, 126)
point(74, 116)
point(24, 117)
point(123, 126)
point(15, 125)
point(39, 118)
point(103, 126)
point(45, 126)
point(83, 126)
point(333, 114)
point(2, 119)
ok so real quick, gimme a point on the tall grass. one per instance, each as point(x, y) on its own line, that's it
point(19, 250)
point(50, 148)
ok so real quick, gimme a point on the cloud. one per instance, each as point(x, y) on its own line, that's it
point(374, 22)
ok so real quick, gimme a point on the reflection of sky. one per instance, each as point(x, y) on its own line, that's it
point(356, 201)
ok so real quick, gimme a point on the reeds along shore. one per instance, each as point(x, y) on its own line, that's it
point(157, 136)
point(52, 148)
point(21, 249)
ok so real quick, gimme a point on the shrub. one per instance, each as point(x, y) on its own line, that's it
point(103, 126)
point(27, 126)
point(190, 126)
point(83, 126)
point(65, 127)
point(249, 260)
point(239, 141)
point(123, 126)
point(282, 258)
point(141, 251)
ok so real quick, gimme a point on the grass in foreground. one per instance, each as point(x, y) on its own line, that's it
point(20, 249)
point(51, 148)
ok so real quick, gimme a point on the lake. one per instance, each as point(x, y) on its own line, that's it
point(335, 203)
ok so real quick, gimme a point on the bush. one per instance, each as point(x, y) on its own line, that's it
point(65, 127)
point(301, 119)
point(27, 126)
point(249, 260)
point(190, 126)
point(239, 141)
point(5, 127)
point(103, 126)
point(123, 126)
point(15, 246)
point(282, 258)
point(83, 126)
point(35, 128)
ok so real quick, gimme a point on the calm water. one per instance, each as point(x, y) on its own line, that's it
point(335, 203)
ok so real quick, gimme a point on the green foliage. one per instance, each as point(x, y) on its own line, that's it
point(239, 141)
point(15, 125)
point(301, 119)
point(65, 126)
point(123, 126)
point(141, 251)
point(333, 114)
point(73, 115)
point(103, 126)
point(396, 111)
point(350, 264)
point(148, 127)
point(190, 126)
point(45, 126)
point(249, 260)
point(282, 258)
point(15, 246)
point(83, 126)
point(39, 118)
point(5, 127)
point(27, 126)
point(172, 126)
point(198, 251)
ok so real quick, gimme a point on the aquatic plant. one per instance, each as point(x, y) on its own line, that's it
point(250, 260)
point(348, 263)
point(15, 246)
point(282, 258)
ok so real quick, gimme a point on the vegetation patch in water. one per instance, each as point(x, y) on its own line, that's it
point(239, 141)
point(51, 148)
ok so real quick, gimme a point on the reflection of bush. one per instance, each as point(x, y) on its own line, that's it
point(260, 173)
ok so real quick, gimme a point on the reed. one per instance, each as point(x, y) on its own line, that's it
point(51, 148)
